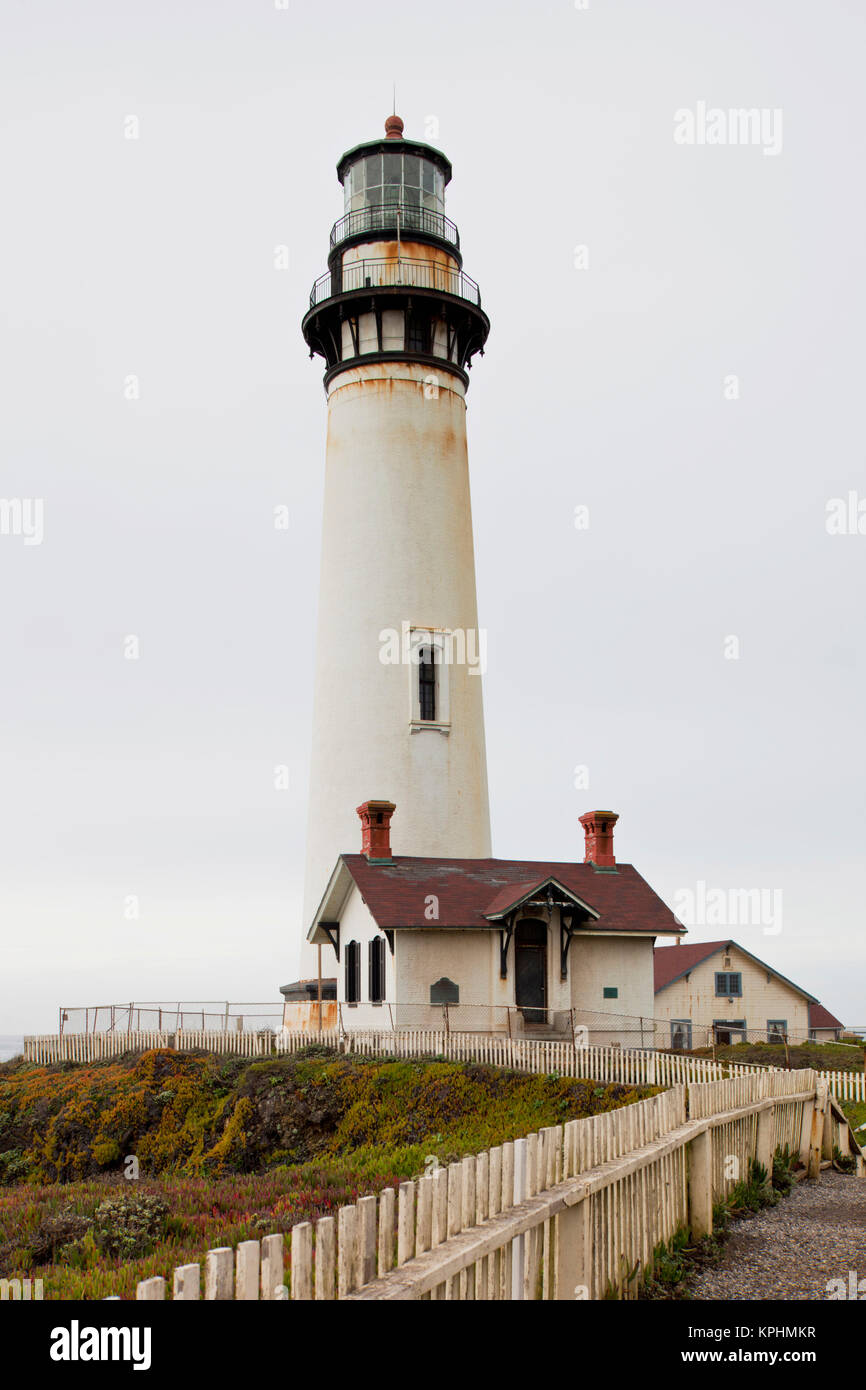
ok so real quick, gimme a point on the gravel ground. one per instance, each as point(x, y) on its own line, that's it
point(790, 1251)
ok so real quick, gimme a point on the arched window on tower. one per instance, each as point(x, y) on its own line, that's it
point(427, 683)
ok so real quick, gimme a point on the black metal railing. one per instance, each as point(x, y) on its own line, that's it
point(387, 217)
point(423, 275)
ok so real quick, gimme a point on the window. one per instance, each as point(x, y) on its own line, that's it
point(377, 970)
point(427, 683)
point(430, 656)
point(729, 983)
point(681, 1034)
point(417, 329)
point(729, 1031)
point(777, 1030)
point(391, 178)
point(353, 972)
point(611, 992)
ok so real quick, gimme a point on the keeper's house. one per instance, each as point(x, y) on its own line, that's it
point(509, 945)
point(718, 989)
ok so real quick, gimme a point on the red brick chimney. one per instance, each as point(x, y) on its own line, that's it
point(376, 831)
point(598, 829)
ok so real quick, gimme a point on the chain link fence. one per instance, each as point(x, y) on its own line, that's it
point(208, 1016)
point(585, 1028)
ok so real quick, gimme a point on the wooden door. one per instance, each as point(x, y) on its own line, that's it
point(530, 969)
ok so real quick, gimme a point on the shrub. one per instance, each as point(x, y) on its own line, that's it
point(129, 1226)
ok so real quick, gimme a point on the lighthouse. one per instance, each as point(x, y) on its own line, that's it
point(398, 713)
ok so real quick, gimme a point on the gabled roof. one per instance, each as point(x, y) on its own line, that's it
point(470, 891)
point(819, 1017)
point(671, 963)
point(516, 894)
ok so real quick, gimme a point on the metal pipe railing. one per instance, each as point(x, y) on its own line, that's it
point(372, 274)
point(383, 217)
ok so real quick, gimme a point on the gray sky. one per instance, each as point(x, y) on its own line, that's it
point(602, 387)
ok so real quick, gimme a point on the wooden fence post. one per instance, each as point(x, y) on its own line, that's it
point(366, 1240)
point(247, 1270)
point(817, 1132)
point(827, 1138)
point(302, 1262)
point(518, 1245)
point(150, 1289)
point(325, 1257)
point(219, 1274)
point(806, 1132)
point(764, 1145)
point(700, 1162)
point(573, 1257)
point(387, 1201)
point(186, 1282)
point(347, 1263)
point(272, 1266)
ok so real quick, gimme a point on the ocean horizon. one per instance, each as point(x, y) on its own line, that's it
point(11, 1044)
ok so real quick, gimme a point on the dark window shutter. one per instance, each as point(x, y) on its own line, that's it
point(377, 970)
point(353, 972)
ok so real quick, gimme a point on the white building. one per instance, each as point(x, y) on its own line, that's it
point(718, 989)
point(433, 926)
point(507, 945)
point(399, 656)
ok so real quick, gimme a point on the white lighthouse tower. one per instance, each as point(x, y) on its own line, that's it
point(398, 712)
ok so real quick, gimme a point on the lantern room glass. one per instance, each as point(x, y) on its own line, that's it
point(382, 180)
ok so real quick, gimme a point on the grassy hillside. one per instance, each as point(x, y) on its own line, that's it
point(821, 1056)
point(232, 1150)
point(199, 1115)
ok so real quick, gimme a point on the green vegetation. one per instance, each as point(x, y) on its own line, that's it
point(230, 1150)
point(855, 1113)
point(821, 1056)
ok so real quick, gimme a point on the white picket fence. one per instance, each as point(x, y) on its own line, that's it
point(573, 1211)
point(98, 1047)
point(633, 1067)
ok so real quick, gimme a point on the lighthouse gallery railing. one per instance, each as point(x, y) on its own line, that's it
point(422, 275)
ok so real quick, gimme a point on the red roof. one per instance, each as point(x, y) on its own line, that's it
point(469, 889)
point(673, 961)
point(819, 1017)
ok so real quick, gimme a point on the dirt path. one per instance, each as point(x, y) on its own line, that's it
point(793, 1250)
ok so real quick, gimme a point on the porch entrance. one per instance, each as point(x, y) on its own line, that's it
point(530, 969)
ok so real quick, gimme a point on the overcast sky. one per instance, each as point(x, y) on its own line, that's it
point(607, 384)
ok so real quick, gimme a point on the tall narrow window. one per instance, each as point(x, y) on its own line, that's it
point(353, 972)
point(417, 333)
point(427, 683)
point(377, 971)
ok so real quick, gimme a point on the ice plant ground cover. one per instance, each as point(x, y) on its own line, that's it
point(228, 1150)
point(822, 1056)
